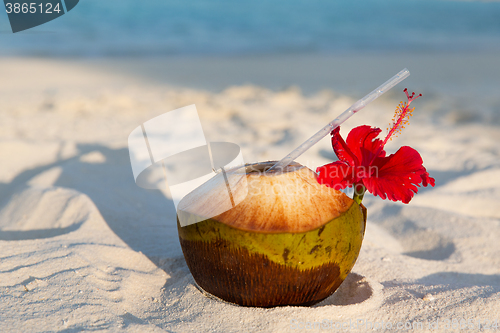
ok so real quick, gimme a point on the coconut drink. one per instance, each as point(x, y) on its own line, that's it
point(276, 233)
point(293, 237)
point(290, 241)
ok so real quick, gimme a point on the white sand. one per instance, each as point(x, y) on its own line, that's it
point(83, 248)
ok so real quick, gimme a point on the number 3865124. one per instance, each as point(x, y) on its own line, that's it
point(32, 8)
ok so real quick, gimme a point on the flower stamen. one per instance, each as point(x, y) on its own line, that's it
point(401, 116)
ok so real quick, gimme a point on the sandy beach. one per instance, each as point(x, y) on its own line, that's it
point(82, 247)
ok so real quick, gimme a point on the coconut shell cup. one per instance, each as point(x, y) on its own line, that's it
point(290, 241)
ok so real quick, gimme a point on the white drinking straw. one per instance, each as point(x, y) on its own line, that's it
point(341, 118)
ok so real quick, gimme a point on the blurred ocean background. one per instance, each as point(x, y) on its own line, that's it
point(452, 48)
point(115, 28)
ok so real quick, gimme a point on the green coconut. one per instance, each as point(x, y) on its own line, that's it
point(290, 241)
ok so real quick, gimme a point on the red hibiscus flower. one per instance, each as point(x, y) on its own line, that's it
point(363, 162)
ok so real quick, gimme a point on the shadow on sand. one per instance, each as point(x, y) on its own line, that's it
point(144, 219)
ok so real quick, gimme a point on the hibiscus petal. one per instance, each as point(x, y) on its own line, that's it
point(341, 149)
point(426, 180)
point(337, 175)
point(363, 143)
point(397, 176)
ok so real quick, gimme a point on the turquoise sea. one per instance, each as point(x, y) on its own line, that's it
point(96, 28)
